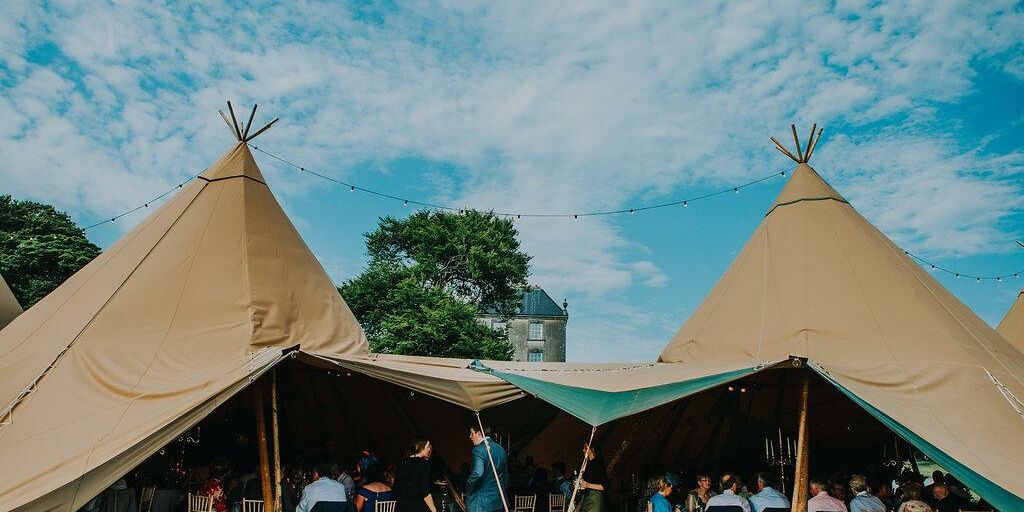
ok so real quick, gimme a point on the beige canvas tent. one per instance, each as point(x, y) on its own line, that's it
point(211, 290)
point(184, 311)
point(9, 307)
point(818, 281)
point(1012, 325)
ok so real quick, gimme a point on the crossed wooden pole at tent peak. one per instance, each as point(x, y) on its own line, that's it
point(802, 156)
point(241, 132)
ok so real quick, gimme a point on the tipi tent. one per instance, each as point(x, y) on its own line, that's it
point(1012, 325)
point(188, 308)
point(818, 281)
point(9, 307)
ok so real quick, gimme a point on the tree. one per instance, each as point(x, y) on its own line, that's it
point(428, 277)
point(40, 247)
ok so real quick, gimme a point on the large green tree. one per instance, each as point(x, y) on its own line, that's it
point(40, 247)
point(428, 277)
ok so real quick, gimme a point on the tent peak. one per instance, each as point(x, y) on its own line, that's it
point(803, 155)
point(241, 131)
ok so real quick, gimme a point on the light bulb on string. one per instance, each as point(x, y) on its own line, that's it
point(405, 203)
point(736, 190)
point(632, 211)
point(352, 188)
point(686, 204)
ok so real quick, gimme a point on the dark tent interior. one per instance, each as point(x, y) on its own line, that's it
point(334, 415)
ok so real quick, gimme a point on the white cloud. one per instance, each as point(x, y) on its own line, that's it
point(544, 106)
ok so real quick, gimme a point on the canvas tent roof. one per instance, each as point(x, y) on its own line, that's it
point(1012, 325)
point(184, 311)
point(818, 281)
point(9, 307)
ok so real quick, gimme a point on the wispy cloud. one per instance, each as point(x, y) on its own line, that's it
point(539, 106)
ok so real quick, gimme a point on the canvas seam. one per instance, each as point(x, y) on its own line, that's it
point(874, 319)
point(163, 340)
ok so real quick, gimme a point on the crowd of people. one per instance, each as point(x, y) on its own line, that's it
point(491, 479)
point(940, 493)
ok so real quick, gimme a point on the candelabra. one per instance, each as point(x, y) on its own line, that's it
point(779, 456)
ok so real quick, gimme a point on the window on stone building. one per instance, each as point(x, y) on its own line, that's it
point(535, 357)
point(536, 330)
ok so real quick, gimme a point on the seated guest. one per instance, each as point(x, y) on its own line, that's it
point(946, 501)
point(839, 489)
point(323, 488)
point(345, 478)
point(884, 495)
point(374, 489)
point(730, 484)
point(767, 496)
point(563, 481)
point(697, 499)
point(820, 500)
point(658, 502)
point(912, 498)
point(863, 500)
point(214, 486)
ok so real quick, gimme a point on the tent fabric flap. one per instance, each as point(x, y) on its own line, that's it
point(444, 379)
point(598, 406)
point(992, 492)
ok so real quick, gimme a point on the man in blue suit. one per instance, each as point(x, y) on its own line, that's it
point(482, 494)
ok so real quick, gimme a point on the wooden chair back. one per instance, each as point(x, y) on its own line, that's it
point(198, 503)
point(384, 506)
point(526, 503)
point(252, 505)
point(556, 502)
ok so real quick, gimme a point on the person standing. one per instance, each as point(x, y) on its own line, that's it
point(412, 481)
point(482, 488)
point(592, 482)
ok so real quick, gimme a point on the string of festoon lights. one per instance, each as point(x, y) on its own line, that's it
point(681, 203)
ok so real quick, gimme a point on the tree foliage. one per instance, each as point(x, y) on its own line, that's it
point(40, 247)
point(428, 277)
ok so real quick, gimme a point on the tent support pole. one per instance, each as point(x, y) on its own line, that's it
point(261, 434)
point(494, 469)
point(583, 467)
point(276, 434)
point(800, 469)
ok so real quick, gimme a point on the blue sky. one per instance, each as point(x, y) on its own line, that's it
point(543, 106)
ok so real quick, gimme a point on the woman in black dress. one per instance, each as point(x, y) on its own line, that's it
point(412, 481)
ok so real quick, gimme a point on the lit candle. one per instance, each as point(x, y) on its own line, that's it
point(767, 453)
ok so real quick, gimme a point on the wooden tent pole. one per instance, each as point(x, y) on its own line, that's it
point(800, 476)
point(276, 436)
point(261, 435)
